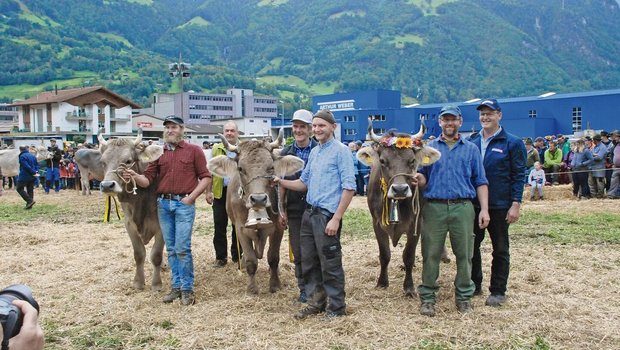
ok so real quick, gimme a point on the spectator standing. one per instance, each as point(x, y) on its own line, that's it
point(582, 158)
point(609, 164)
point(537, 181)
point(28, 168)
point(206, 149)
point(52, 174)
point(614, 150)
point(553, 161)
point(452, 183)
point(217, 196)
point(295, 201)
point(182, 176)
point(596, 180)
point(504, 157)
point(330, 181)
point(363, 170)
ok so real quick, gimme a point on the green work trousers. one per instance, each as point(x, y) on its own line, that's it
point(439, 219)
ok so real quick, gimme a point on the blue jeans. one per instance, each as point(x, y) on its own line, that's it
point(52, 176)
point(177, 220)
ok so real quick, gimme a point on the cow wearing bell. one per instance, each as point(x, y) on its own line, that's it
point(251, 201)
point(139, 204)
point(393, 198)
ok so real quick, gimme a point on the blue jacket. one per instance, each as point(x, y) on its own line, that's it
point(28, 166)
point(504, 164)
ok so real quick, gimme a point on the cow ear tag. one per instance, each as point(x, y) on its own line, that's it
point(426, 160)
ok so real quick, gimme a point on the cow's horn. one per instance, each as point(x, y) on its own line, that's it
point(228, 146)
point(371, 132)
point(102, 141)
point(139, 138)
point(278, 141)
point(421, 132)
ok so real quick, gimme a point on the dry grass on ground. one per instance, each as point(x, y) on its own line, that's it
point(561, 296)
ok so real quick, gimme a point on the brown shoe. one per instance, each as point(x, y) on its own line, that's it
point(174, 294)
point(307, 311)
point(188, 298)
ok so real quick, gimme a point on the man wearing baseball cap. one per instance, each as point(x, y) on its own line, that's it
point(504, 158)
point(295, 202)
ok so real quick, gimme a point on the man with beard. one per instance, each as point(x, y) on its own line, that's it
point(217, 197)
point(295, 202)
point(181, 175)
point(452, 184)
point(504, 158)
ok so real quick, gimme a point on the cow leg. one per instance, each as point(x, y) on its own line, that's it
point(273, 257)
point(251, 262)
point(157, 252)
point(384, 256)
point(139, 255)
point(408, 260)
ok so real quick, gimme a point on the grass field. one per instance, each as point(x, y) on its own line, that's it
point(23, 90)
point(562, 290)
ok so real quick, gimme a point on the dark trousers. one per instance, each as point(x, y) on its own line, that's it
point(608, 173)
point(321, 262)
point(294, 228)
point(580, 184)
point(359, 182)
point(220, 221)
point(26, 190)
point(500, 265)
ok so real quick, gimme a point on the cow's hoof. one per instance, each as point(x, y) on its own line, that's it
point(138, 286)
point(252, 290)
point(157, 287)
point(410, 293)
point(382, 284)
point(274, 287)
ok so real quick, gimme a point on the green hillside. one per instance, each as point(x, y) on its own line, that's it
point(432, 50)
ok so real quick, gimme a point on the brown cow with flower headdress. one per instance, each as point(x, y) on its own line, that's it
point(394, 198)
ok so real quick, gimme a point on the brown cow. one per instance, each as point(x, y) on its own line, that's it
point(393, 200)
point(251, 201)
point(139, 204)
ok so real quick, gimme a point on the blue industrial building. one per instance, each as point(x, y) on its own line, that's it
point(547, 114)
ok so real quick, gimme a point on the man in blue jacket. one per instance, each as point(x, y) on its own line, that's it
point(504, 158)
point(28, 168)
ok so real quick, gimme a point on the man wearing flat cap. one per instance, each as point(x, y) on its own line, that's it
point(329, 178)
point(504, 158)
point(182, 176)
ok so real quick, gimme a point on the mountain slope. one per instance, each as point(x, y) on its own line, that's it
point(432, 50)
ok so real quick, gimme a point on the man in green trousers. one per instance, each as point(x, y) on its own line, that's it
point(451, 184)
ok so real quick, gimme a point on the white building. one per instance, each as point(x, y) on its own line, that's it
point(80, 111)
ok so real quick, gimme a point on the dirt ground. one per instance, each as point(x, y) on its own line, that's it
point(560, 296)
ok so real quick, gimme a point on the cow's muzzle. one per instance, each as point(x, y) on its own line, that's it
point(399, 191)
point(257, 211)
point(110, 187)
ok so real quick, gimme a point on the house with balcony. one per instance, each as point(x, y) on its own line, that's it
point(72, 112)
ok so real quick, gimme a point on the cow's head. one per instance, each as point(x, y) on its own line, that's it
point(40, 151)
point(397, 156)
point(119, 154)
point(255, 164)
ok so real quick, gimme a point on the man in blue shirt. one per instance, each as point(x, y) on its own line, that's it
point(28, 168)
point(329, 178)
point(295, 203)
point(504, 157)
point(452, 183)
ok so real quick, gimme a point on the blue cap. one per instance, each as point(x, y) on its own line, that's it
point(173, 119)
point(491, 103)
point(451, 110)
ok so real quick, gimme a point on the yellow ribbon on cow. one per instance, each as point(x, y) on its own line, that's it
point(384, 212)
point(108, 207)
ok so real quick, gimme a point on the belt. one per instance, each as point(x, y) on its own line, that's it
point(449, 201)
point(172, 196)
point(314, 209)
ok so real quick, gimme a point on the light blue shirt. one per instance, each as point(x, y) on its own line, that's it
point(329, 172)
point(458, 172)
point(485, 142)
point(230, 155)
